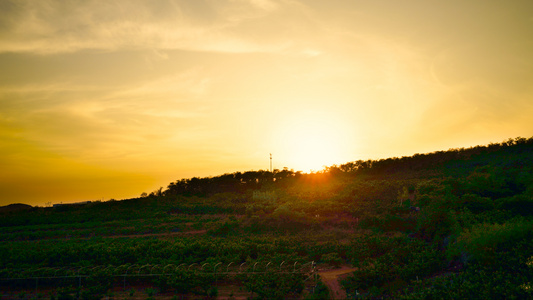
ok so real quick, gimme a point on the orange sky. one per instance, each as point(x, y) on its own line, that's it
point(109, 99)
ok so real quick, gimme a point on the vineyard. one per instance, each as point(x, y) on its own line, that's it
point(450, 224)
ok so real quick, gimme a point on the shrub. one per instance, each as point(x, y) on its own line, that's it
point(223, 228)
point(520, 204)
point(332, 259)
point(477, 204)
point(435, 222)
point(96, 285)
point(320, 291)
point(483, 240)
point(272, 285)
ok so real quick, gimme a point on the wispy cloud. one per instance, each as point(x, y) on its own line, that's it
point(52, 26)
point(198, 85)
point(99, 123)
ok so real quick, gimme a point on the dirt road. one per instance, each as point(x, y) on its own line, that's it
point(331, 280)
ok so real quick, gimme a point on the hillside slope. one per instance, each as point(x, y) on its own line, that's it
point(450, 224)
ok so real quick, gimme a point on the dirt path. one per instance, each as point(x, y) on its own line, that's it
point(163, 234)
point(330, 279)
point(193, 232)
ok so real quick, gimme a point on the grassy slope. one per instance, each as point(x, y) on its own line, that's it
point(470, 236)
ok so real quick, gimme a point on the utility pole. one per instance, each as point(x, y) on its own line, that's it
point(270, 162)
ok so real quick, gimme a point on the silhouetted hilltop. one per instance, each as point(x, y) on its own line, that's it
point(511, 153)
point(15, 207)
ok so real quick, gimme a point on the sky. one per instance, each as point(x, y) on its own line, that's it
point(109, 99)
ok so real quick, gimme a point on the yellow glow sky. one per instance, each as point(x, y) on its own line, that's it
point(109, 99)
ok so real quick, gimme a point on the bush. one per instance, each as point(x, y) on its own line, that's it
point(273, 285)
point(397, 223)
point(520, 205)
point(406, 260)
point(223, 228)
point(320, 291)
point(96, 285)
point(483, 240)
point(332, 259)
point(475, 282)
point(435, 223)
point(477, 204)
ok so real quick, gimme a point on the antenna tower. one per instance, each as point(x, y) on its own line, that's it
point(270, 162)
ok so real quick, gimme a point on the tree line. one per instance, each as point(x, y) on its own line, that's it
point(434, 163)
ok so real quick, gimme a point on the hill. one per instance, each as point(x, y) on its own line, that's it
point(449, 224)
point(14, 207)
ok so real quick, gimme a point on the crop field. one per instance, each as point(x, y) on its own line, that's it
point(454, 224)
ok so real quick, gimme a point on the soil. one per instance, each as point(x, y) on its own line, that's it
point(331, 279)
point(193, 232)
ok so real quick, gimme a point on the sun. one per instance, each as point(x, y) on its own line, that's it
point(310, 141)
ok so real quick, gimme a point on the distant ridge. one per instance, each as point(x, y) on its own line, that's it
point(15, 207)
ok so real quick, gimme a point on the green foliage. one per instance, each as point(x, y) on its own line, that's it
point(436, 221)
point(432, 225)
point(66, 294)
point(332, 259)
point(320, 291)
point(477, 204)
point(397, 223)
point(483, 241)
point(518, 204)
point(273, 285)
point(96, 285)
point(150, 292)
point(223, 228)
point(507, 280)
point(403, 261)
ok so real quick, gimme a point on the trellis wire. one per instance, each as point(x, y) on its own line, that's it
point(134, 270)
